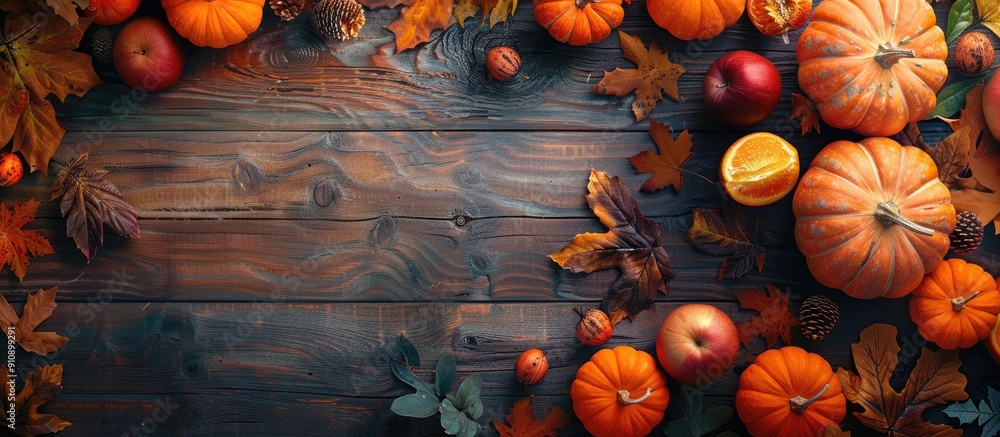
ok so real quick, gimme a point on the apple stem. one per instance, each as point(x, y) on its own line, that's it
point(888, 213)
point(958, 303)
point(624, 397)
point(140, 52)
point(799, 404)
point(722, 85)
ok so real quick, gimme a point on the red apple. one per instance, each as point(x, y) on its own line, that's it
point(148, 55)
point(991, 104)
point(111, 12)
point(741, 88)
point(697, 343)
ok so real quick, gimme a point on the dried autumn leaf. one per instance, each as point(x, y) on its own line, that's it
point(39, 60)
point(67, 9)
point(522, 423)
point(38, 308)
point(88, 203)
point(632, 245)
point(911, 136)
point(973, 117)
point(665, 167)
point(989, 14)
point(835, 431)
point(773, 318)
point(42, 386)
point(935, 380)
point(730, 236)
point(653, 76)
point(17, 244)
point(417, 20)
point(803, 107)
point(951, 155)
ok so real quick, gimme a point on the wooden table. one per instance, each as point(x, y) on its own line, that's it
point(303, 204)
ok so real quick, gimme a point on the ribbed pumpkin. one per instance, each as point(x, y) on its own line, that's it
point(872, 217)
point(695, 19)
point(619, 393)
point(956, 305)
point(789, 392)
point(872, 65)
point(579, 22)
point(111, 12)
point(214, 23)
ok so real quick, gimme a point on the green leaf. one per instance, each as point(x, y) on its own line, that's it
point(409, 351)
point(987, 414)
point(680, 428)
point(696, 423)
point(416, 405)
point(444, 375)
point(952, 98)
point(455, 422)
point(475, 410)
point(959, 18)
point(404, 374)
point(468, 392)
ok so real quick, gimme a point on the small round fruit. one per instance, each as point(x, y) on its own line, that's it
point(531, 367)
point(974, 53)
point(697, 343)
point(759, 169)
point(741, 88)
point(502, 62)
point(594, 327)
point(148, 55)
point(991, 105)
point(11, 169)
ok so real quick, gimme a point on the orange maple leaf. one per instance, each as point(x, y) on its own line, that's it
point(773, 318)
point(417, 20)
point(973, 117)
point(17, 244)
point(38, 308)
point(522, 422)
point(665, 167)
point(654, 76)
point(803, 107)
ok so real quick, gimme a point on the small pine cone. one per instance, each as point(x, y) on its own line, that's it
point(817, 316)
point(102, 45)
point(338, 19)
point(287, 9)
point(968, 233)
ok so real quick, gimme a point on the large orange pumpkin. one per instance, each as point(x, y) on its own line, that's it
point(872, 65)
point(619, 393)
point(695, 19)
point(872, 217)
point(956, 305)
point(214, 23)
point(579, 22)
point(789, 392)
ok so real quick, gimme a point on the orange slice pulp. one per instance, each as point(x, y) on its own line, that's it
point(759, 169)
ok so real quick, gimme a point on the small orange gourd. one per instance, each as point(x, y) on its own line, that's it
point(695, 19)
point(111, 12)
point(214, 23)
point(789, 392)
point(579, 22)
point(872, 217)
point(956, 305)
point(872, 65)
point(620, 393)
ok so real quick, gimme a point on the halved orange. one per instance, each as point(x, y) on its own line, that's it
point(993, 341)
point(759, 169)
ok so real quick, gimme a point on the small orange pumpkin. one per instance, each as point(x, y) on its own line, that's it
point(531, 367)
point(956, 305)
point(695, 19)
point(872, 217)
point(789, 392)
point(872, 65)
point(111, 12)
point(214, 23)
point(579, 22)
point(620, 393)
point(777, 17)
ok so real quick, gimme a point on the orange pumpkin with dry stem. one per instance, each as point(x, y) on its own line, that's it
point(695, 19)
point(789, 392)
point(956, 305)
point(620, 392)
point(579, 22)
point(214, 23)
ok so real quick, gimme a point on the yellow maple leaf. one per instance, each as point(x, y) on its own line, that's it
point(989, 14)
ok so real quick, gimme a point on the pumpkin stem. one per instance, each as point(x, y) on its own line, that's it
point(624, 397)
point(887, 56)
point(888, 213)
point(583, 3)
point(799, 404)
point(958, 303)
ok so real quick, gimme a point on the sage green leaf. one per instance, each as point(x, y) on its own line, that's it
point(959, 18)
point(409, 351)
point(416, 405)
point(475, 410)
point(404, 374)
point(952, 98)
point(469, 391)
point(696, 423)
point(444, 375)
point(680, 428)
point(715, 417)
point(451, 418)
point(987, 414)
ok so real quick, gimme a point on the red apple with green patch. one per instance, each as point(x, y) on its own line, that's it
point(697, 343)
point(148, 54)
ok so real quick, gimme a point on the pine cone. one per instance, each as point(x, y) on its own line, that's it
point(102, 46)
point(338, 19)
point(287, 9)
point(817, 316)
point(968, 233)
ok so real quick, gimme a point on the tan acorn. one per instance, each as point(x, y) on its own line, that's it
point(594, 327)
point(503, 63)
point(974, 53)
point(531, 367)
point(338, 19)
